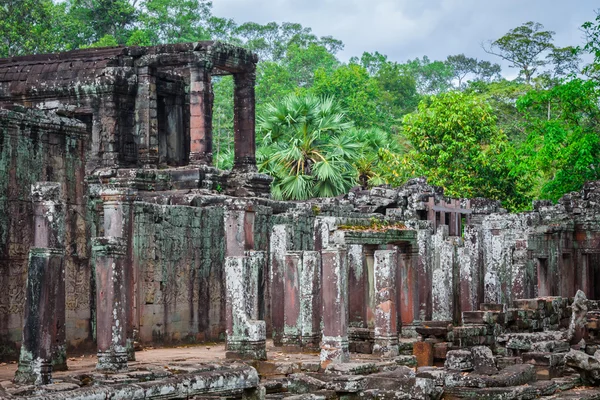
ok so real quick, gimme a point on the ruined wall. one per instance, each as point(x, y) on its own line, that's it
point(179, 254)
point(37, 147)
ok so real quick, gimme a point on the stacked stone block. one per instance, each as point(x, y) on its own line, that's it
point(436, 336)
point(480, 327)
point(539, 314)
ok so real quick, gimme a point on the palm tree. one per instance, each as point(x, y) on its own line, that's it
point(305, 149)
point(370, 166)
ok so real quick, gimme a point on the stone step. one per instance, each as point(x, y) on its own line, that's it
point(547, 365)
point(491, 307)
point(482, 317)
point(525, 341)
point(585, 393)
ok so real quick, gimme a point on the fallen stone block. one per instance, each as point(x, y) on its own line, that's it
point(351, 368)
point(514, 375)
point(459, 360)
point(587, 366)
point(483, 360)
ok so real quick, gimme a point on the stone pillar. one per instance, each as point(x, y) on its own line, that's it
point(146, 118)
point(310, 301)
point(45, 271)
point(357, 287)
point(334, 343)
point(244, 122)
point(111, 296)
point(302, 315)
point(201, 101)
point(292, 327)
point(409, 292)
point(44, 342)
point(386, 332)
point(281, 242)
point(442, 282)
point(246, 335)
point(239, 228)
point(118, 222)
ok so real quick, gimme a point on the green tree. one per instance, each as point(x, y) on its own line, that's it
point(305, 149)
point(357, 92)
point(29, 26)
point(592, 46)
point(524, 47)
point(89, 21)
point(168, 21)
point(562, 150)
point(458, 146)
point(432, 77)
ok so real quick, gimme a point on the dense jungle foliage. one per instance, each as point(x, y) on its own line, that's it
point(324, 126)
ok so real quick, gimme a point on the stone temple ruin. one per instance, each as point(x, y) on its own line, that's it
point(116, 233)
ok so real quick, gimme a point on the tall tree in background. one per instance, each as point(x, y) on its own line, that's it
point(562, 150)
point(524, 47)
point(592, 46)
point(458, 146)
point(29, 26)
point(167, 21)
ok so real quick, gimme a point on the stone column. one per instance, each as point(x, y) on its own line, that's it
point(386, 331)
point(302, 303)
point(146, 118)
point(357, 287)
point(310, 300)
point(292, 327)
point(244, 122)
point(44, 342)
point(334, 343)
point(246, 335)
point(280, 243)
point(201, 101)
point(111, 296)
point(239, 228)
point(118, 222)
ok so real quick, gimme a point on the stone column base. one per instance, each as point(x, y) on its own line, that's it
point(112, 361)
point(33, 372)
point(246, 350)
point(386, 346)
point(410, 330)
point(311, 344)
point(334, 350)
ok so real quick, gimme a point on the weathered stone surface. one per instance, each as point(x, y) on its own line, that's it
point(459, 360)
point(423, 352)
point(483, 360)
point(514, 375)
point(587, 366)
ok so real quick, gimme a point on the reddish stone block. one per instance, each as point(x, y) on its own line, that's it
point(440, 350)
point(423, 351)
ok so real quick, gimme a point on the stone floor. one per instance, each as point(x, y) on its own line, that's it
point(202, 372)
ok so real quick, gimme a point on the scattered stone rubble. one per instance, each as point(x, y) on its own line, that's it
point(117, 232)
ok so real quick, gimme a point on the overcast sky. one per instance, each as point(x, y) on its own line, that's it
point(405, 29)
